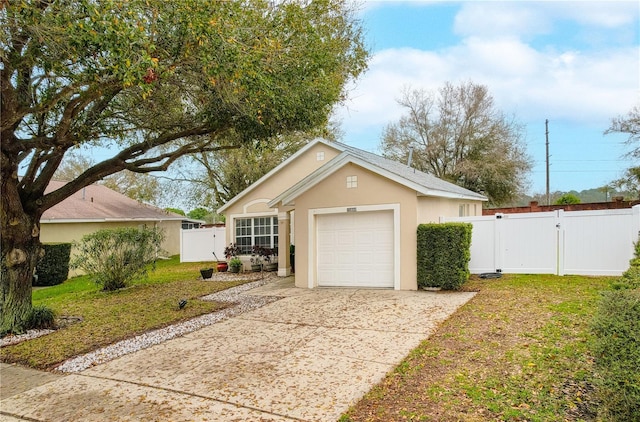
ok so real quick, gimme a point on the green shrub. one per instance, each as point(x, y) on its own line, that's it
point(53, 266)
point(617, 355)
point(40, 317)
point(443, 255)
point(114, 257)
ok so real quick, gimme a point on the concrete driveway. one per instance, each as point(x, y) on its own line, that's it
point(308, 356)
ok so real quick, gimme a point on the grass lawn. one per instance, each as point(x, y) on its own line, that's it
point(518, 351)
point(112, 316)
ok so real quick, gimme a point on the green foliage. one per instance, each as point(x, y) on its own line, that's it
point(617, 354)
point(443, 255)
point(175, 211)
point(41, 317)
point(235, 262)
point(567, 199)
point(198, 213)
point(114, 257)
point(53, 266)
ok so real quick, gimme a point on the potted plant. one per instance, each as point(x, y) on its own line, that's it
point(206, 273)
point(256, 258)
point(235, 264)
point(221, 266)
point(271, 259)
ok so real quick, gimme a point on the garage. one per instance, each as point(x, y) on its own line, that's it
point(355, 249)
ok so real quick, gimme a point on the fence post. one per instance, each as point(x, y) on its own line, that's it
point(560, 242)
point(497, 242)
point(635, 225)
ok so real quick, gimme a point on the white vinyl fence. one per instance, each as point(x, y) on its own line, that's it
point(557, 242)
point(198, 245)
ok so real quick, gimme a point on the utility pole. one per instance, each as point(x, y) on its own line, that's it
point(546, 126)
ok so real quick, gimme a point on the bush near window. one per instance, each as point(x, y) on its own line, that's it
point(115, 257)
point(443, 255)
point(53, 266)
point(616, 347)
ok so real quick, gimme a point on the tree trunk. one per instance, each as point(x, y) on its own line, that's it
point(20, 252)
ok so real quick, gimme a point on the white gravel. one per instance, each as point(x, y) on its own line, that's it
point(13, 339)
point(243, 303)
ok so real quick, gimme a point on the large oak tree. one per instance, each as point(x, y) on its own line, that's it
point(152, 81)
point(459, 135)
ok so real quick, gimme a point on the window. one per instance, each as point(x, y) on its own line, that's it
point(352, 182)
point(463, 210)
point(320, 156)
point(256, 231)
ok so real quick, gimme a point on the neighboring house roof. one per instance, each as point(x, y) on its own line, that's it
point(425, 184)
point(98, 203)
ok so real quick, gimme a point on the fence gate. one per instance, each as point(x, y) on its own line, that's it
point(557, 242)
point(197, 245)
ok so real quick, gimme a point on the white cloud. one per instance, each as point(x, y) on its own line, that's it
point(533, 85)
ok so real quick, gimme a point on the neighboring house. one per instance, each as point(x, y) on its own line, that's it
point(97, 207)
point(356, 216)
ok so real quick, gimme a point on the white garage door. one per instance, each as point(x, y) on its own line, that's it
point(355, 249)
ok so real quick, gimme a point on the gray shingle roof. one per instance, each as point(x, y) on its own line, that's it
point(426, 180)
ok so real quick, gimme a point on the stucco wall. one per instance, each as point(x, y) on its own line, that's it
point(372, 190)
point(431, 209)
point(255, 201)
point(73, 232)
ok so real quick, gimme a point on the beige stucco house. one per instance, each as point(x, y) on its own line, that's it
point(97, 207)
point(351, 214)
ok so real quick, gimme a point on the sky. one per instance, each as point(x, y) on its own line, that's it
point(573, 63)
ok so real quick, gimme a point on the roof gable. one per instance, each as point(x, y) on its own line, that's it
point(278, 168)
point(99, 203)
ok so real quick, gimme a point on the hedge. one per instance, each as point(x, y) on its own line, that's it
point(443, 255)
point(616, 347)
point(617, 355)
point(53, 266)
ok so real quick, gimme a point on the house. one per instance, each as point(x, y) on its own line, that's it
point(97, 207)
point(351, 214)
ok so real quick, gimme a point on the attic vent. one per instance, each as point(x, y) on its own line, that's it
point(352, 182)
point(320, 156)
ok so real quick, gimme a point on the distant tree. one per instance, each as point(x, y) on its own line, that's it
point(139, 186)
point(73, 165)
point(629, 125)
point(175, 211)
point(567, 199)
point(457, 134)
point(198, 213)
point(629, 182)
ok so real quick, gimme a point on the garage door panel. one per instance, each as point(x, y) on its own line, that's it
point(355, 249)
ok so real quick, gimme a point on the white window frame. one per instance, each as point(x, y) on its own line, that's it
point(273, 232)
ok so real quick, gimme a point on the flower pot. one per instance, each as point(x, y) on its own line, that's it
point(222, 267)
point(206, 273)
point(234, 268)
point(271, 266)
point(256, 267)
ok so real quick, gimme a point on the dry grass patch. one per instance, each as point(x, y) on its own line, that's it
point(517, 351)
point(108, 317)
